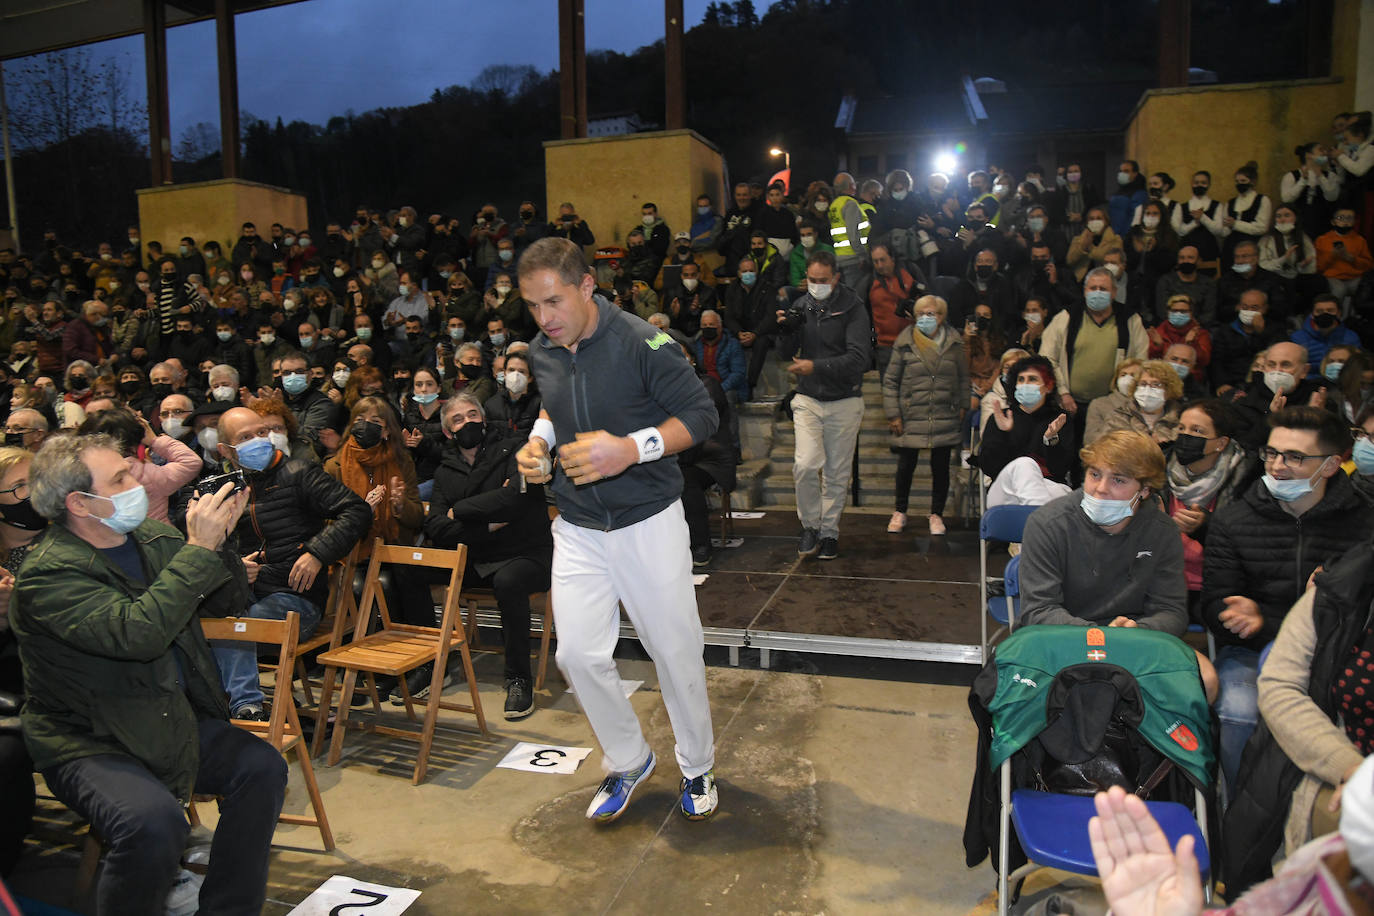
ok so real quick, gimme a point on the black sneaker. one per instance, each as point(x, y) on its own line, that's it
point(519, 698)
point(250, 712)
point(701, 556)
point(830, 549)
point(419, 682)
point(809, 542)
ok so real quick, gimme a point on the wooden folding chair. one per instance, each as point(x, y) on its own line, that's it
point(397, 649)
point(282, 730)
point(541, 603)
point(339, 619)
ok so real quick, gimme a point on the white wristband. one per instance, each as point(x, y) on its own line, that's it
point(650, 443)
point(543, 428)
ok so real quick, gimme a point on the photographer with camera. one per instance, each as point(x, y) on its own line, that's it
point(835, 347)
point(889, 294)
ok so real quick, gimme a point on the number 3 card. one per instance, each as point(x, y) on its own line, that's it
point(541, 758)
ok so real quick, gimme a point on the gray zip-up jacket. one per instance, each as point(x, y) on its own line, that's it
point(626, 376)
point(837, 336)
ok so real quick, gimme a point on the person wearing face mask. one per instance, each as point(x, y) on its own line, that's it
point(282, 431)
point(1197, 221)
point(1361, 464)
point(776, 221)
point(569, 225)
point(175, 466)
point(834, 348)
point(472, 374)
point(1351, 373)
point(1090, 246)
point(506, 529)
point(1180, 326)
point(925, 397)
point(1245, 274)
point(1157, 188)
point(146, 722)
point(1186, 279)
point(314, 411)
point(405, 240)
point(302, 521)
point(1207, 470)
point(1279, 380)
point(1129, 195)
point(488, 229)
point(688, 300)
point(810, 240)
point(737, 225)
point(1312, 189)
point(1356, 160)
point(77, 383)
point(1343, 255)
point(1263, 548)
point(1320, 332)
point(1287, 253)
point(1152, 408)
point(984, 283)
point(251, 249)
point(516, 406)
point(1071, 199)
point(88, 337)
point(410, 301)
point(1087, 343)
point(1024, 450)
point(1151, 248)
point(1135, 575)
point(718, 355)
point(680, 254)
point(1248, 214)
point(421, 424)
point(1033, 232)
point(381, 277)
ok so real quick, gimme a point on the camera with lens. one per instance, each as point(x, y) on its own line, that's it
point(211, 485)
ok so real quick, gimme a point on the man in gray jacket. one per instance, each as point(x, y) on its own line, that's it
point(619, 396)
point(835, 348)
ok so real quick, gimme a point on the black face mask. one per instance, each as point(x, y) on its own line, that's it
point(1040, 264)
point(470, 435)
point(22, 515)
point(14, 440)
point(983, 322)
point(1325, 320)
point(709, 334)
point(1188, 448)
point(469, 372)
point(983, 271)
point(161, 391)
point(1199, 191)
point(1187, 270)
point(366, 435)
point(1155, 193)
point(527, 214)
point(1342, 230)
point(683, 249)
point(78, 383)
point(1242, 187)
point(128, 388)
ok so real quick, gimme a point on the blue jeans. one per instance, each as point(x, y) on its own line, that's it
point(144, 826)
point(1237, 705)
point(427, 491)
point(238, 662)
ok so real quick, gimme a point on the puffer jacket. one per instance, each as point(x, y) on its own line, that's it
point(427, 454)
point(1255, 548)
point(514, 416)
point(1116, 411)
point(294, 507)
point(99, 667)
point(927, 388)
point(483, 492)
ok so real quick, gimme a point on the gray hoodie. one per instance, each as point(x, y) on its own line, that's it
point(626, 376)
point(1074, 573)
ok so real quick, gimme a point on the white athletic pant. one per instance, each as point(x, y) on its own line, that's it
point(1021, 483)
point(648, 568)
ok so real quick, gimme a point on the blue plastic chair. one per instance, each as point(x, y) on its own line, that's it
point(999, 523)
point(1005, 609)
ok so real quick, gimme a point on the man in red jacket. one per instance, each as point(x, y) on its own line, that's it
point(88, 337)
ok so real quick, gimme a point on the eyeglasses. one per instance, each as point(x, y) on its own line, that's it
point(168, 414)
point(19, 430)
point(18, 491)
point(1291, 460)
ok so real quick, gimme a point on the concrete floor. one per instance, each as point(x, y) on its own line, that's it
point(843, 789)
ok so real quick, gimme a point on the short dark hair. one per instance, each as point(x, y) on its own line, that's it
point(1133, 164)
point(1333, 436)
point(647, 204)
point(824, 258)
point(1042, 366)
point(1224, 419)
point(563, 257)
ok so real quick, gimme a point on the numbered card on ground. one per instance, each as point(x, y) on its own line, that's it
point(345, 896)
point(541, 758)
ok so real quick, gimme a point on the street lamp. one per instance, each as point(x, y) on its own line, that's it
point(786, 157)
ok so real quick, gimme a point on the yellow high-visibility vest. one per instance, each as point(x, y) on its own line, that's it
point(839, 232)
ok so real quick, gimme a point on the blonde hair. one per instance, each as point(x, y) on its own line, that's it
point(1129, 453)
point(10, 456)
point(1121, 368)
point(1164, 373)
point(1180, 297)
point(921, 341)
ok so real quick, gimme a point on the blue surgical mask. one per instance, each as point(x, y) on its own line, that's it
point(1107, 512)
point(1179, 319)
point(1099, 300)
point(457, 333)
point(1363, 453)
point(1181, 370)
point(428, 398)
point(364, 333)
point(1028, 394)
point(498, 339)
point(703, 211)
point(1036, 224)
point(225, 336)
point(747, 277)
point(255, 454)
point(131, 508)
point(294, 384)
point(1293, 489)
point(927, 324)
point(1333, 371)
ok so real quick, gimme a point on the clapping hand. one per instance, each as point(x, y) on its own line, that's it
point(413, 437)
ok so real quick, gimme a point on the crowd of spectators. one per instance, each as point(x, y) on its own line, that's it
point(1209, 357)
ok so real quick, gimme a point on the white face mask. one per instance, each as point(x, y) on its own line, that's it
point(820, 291)
point(502, 290)
point(1034, 318)
point(341, 378)
point(281, 443)
point(1151, 400)
point(647, 220)
point(1248, 316)
point(1113, 269)
point(690, 283)
point(808, 241)
point(222, 393)
point(174, 427)
point(1280, 382)
point(1149, 222)
point(1125, 384)
point(339, 271)
point(208, 439)
point(1095, 226)
point(517, 382)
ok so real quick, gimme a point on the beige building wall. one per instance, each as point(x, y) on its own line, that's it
point(215, 210)
point(608, 179)
point(1220, 128)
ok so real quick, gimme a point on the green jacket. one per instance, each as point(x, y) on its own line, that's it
point(100, 675)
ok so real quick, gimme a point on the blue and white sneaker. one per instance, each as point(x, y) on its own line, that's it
point(699, 796)
point(611, 799)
